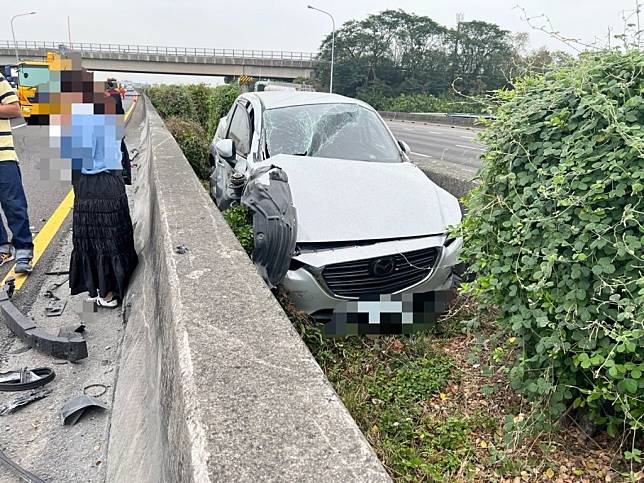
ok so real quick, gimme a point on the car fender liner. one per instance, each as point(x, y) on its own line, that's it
point(268, 195)
point(72, 347)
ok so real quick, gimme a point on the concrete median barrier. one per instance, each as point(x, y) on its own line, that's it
point(214, 383)
point(432, 118)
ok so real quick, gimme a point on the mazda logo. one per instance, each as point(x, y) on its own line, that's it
point(383, 267)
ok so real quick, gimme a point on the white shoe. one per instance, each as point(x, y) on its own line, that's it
point(108, 304)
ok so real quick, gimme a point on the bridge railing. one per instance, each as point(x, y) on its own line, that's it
point(159, 50)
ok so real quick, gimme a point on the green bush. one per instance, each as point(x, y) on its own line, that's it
point(173, 101)
point(240, 220)
point(192, 141)
point(422, 103)
point(555, 232)
point(199, 95)
point(219, 103)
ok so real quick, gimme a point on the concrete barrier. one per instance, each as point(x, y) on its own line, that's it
point(432, 118)
point(214, 383)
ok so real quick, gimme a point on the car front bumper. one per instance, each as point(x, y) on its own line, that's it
point(308, 291)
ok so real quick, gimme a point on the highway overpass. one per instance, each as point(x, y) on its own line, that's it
point(271, 64)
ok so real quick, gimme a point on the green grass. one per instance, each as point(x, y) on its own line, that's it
point(386, 384)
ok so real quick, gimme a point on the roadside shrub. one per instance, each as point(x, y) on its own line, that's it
point(173, 101)
point(192, 141)
point(219, 103)
point(199, 95)
point(554, 233)
point(423, 103)
point(240, 220)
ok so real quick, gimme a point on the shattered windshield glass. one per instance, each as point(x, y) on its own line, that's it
point(341, 131)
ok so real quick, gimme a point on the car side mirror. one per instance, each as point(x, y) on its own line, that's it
point(404, 146)
point(225, 149)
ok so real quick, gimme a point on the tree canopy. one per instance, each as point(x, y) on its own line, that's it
point(395, 52)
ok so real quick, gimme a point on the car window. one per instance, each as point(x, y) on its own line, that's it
point(33, 75)
point(239, 130)
point(342, 131)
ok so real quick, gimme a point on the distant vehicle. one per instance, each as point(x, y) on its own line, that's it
point(261, 86)
point(7, 72)
point(340, 210)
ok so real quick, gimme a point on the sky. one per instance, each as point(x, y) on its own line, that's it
point(286, 24)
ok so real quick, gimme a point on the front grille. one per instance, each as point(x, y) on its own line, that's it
point(356, 278)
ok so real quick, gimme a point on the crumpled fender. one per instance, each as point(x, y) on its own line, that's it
point(268, 196)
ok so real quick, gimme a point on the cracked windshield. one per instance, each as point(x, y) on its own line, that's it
point(340, 131)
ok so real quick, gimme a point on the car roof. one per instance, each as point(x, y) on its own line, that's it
point(279, 99)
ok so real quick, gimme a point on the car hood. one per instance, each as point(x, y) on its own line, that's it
point(339, 200)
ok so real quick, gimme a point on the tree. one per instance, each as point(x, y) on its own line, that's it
point(396, 52)
point(483, 56)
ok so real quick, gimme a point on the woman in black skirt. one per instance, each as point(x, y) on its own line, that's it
point(103, 256)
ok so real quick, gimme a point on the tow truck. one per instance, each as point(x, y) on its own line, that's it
point(31, 75)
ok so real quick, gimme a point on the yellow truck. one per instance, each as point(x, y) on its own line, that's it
point(33, 74)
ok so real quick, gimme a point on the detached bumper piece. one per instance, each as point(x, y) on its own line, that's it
point(70, 346)
point(268, 196)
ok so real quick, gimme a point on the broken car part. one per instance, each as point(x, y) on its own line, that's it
point(60, 272)
point(268, 196)
point(55, 307)
point(73, 347)
point(102, 389)
point(181, 249)
point(51, 290)
point(74, 409)
point(25, 379)
point(13, 406)
point(19, 471)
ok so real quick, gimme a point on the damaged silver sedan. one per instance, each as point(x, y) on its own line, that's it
point(339, 211)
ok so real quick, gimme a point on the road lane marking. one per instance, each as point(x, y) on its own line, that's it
point(20, 125)
point(419, 154)
point(53, 224)
point(45, 236)
point(468, 147)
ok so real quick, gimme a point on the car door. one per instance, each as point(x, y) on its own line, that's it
point(239, 131)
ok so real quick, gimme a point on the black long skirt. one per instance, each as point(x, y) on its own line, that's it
point(103, 255)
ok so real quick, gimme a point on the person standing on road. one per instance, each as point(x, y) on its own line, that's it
point(103, 255)
point(12, 194)
point(126, 164)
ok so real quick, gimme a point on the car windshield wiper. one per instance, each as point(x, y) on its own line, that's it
point(300, 154)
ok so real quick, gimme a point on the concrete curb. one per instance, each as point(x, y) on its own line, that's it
point(215, 384)
point(434, 118)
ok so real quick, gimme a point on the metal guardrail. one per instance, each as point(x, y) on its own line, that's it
point(153, 49)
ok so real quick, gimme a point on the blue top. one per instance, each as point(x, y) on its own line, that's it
point(93, 141)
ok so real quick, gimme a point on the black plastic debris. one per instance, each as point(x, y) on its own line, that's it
point(55, 307)
point(70, 331)
point(22, 401)
point(25, 379)
point(75, 408)
point(72, 348)
point(18, 470)
point(181, 249)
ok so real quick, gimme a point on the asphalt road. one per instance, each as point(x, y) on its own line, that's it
point(43, 197)
point(452, 146)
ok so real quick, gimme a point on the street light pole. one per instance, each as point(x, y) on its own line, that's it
point(332, 43)
point(15, 44)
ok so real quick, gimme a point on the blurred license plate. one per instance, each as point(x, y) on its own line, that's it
point(389, 314)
